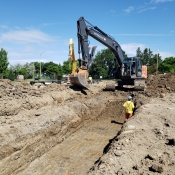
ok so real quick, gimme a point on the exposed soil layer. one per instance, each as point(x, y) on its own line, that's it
point(77, 153)
point(37, 122)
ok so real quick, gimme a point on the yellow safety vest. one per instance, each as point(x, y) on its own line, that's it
point(129, 106)
point(90, 78)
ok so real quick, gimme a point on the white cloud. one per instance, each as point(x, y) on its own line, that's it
point(143, 34)
point(26, 45)
point(165, 54)
point(131, 48)
point(146, 9)
point(3, 27)
point(26, 36)
point(129, 9)
point(111, 12)
point(161, 1)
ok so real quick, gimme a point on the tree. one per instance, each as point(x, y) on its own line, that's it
point(11, 75)
point(30, 69)
point(139, 53)
point(50, 68)
point(167, 65)
point(22, 71)
point(53, 70)
point(37, 67)
point(66, 67)
point(60, 72)
point(3, 62)
point(146, 56)
point(149, 59)
point(104, 62)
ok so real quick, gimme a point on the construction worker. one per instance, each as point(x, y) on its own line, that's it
point(129, 107)
point(90, 79)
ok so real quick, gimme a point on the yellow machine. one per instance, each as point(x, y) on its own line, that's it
point(78, 76)
point(72, 56)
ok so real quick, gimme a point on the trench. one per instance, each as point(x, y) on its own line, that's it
point(78, 153)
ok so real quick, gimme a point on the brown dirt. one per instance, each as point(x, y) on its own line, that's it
point(56, 129)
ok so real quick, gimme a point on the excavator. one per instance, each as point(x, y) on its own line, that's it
point(129, 71)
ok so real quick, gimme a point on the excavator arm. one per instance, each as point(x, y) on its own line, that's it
point(84, 31)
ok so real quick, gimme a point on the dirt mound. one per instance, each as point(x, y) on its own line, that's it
point(161, 83)
point(17, 96)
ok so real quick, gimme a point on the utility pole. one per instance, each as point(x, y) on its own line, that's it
point(33, 71)
point(40, 63)
point(157, 60)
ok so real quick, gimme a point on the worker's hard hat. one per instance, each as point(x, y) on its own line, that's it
point(129, 98)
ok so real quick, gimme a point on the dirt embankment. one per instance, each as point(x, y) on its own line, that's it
point(34, 119)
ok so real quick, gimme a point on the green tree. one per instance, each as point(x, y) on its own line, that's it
point(37, 66)
point(60, 72)
point(53, 70)
point(139, 53)
point(22, 71)
point(3, 62)
point(152, 67)
point(50, 68)
point(103, 63)
point(30, 69)
point(146, 56)
point(167, 65)
point(11, 75)
point(66, 67)
point(149, 59)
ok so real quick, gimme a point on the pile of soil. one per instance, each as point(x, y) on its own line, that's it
point(164, 83)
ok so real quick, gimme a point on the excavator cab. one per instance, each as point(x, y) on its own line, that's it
point(131, 67)
point(133, 73)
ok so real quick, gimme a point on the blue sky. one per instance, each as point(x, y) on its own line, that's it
point(37, 30)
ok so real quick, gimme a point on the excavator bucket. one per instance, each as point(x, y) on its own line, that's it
point(80, 79)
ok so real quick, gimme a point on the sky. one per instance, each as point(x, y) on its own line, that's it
point(40, 30)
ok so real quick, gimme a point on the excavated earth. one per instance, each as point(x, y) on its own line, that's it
point(60, 130)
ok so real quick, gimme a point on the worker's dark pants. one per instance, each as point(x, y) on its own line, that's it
point(128, 115)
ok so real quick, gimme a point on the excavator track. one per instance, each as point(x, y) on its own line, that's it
point(110, 86)
point(139, 85)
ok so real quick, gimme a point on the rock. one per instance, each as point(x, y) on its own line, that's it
point(156, 168)
point(162, 95)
